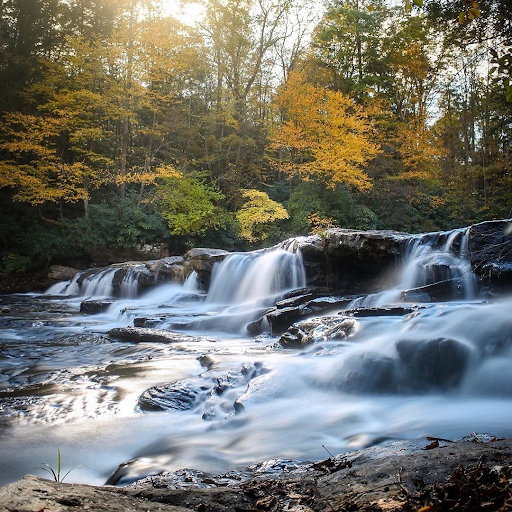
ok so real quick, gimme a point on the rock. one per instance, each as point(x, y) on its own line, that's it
point(178, 396)
point(364, 479)
point(315, 330)
point(437, 292)
point(280, 319)
point(168, 269)
point(138, 334)
point(60, 273)
point(367, 372)
point(36, 494)
point(202, 260)
point(436, 363)
point(381, 311)
point(349, 260)
point(93, 307)
point(490, 250)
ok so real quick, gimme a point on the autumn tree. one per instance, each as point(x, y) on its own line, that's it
point(257, 215)
point(323, 133)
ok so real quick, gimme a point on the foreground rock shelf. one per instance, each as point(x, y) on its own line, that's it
point(407, 475)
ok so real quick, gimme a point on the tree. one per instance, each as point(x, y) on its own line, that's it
point(257, 215)
point(323, 134)
point(189, 206)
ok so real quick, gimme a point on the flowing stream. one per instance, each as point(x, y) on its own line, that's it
point(219, 398)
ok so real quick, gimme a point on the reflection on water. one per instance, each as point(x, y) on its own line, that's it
point(443, 370)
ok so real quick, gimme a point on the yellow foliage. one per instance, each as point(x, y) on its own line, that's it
point(257, 214)
point(323, 133)
point(319, 225)
point(420, 150)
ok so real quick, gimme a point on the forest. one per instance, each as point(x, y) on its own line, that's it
point(124, 124)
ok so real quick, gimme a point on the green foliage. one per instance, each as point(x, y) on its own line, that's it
point(189, 206)
point(338, 204)
point(56, 473)
point(121, 224)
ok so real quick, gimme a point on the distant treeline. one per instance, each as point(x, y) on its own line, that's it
point(121, 126)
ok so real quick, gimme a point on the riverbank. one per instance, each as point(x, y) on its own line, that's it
point(429, 475)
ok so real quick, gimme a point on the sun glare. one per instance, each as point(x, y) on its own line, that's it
point(187, 12)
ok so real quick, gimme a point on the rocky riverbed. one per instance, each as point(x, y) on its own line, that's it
point(431, 475)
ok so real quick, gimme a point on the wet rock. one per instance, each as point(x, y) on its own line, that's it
point(168, 269)
point(60, 273)
point(93, 307)
point(138, 334)
point(351, 260)
point(436, 363)
point(291, 310)
point(381, 311)
point(280, 319)
point(367, 372)
point(178, 396)
point(440, 291)
point(315, 330)
point(202, 260)
point(490, 248)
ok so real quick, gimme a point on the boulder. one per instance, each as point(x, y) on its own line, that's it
point(314, 330)
point(202, 260)
point(437, 363)
point(367, 372)
point(178, 396)
point(351, 261)
point(437, 292)
point(93, 307)
point(490, 251)
point(168, 269)
point(60, 273)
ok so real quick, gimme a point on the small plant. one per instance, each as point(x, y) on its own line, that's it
point(56, 474)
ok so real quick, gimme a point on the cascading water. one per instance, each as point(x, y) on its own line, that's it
point(249, 277)
point(427, 260)
point(191, 284)
point(429, 370)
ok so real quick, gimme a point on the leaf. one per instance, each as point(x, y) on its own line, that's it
point(509, 94)
point(408, 7)
point(475, 12)
point(432, 445)
point(419, 3)
point(475, 5)
point(462, 15)
point(471, 16)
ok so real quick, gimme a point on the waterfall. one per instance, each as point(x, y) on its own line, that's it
point(445, 258)
point(191, 284)
point(99, 284)
point(429, 259)
point(65, 287)
point(130, 284)
point(251, 276)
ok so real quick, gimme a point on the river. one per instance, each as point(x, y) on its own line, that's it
point(219, 398)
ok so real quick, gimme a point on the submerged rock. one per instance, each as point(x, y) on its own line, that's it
point(437, 363)
point(138, 334)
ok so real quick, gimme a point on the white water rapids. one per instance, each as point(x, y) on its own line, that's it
point(65, 385)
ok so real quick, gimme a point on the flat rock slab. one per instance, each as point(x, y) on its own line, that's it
point(34, 494)
point(138, 334)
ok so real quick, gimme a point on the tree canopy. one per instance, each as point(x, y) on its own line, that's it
point(260, 120)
